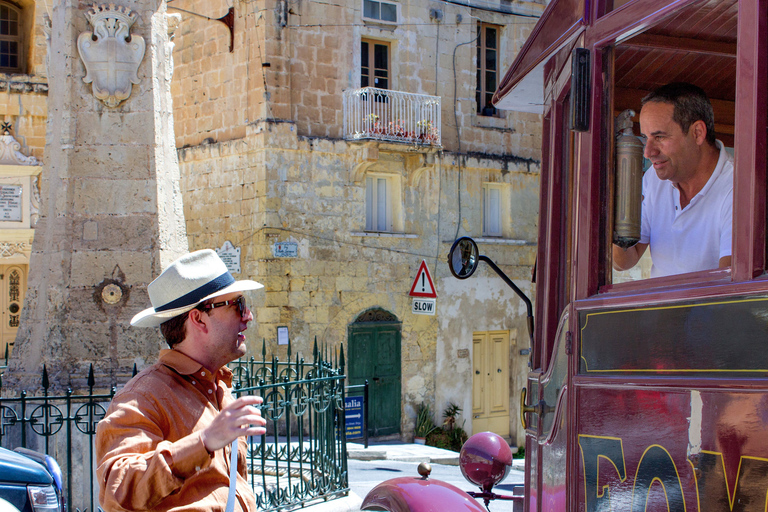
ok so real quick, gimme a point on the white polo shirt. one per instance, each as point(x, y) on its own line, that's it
point(691, 238)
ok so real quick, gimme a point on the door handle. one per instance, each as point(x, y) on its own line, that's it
point(540, 408)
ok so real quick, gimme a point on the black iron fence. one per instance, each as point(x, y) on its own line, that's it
point(301, 459)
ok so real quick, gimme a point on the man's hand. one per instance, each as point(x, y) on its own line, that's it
point(237, 419)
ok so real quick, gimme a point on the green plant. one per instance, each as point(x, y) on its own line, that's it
point(424, 422)
point(450, 413)
point(520, 453)
point(451, 436)
point(439, 439)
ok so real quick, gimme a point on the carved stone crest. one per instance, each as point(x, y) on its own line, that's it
point(110, 53)
point(10, 153)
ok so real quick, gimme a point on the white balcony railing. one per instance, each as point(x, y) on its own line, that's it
point(380, 114)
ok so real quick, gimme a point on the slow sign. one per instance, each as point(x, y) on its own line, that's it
point(424, 306)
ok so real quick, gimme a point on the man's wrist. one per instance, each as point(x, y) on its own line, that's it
point(205, 445)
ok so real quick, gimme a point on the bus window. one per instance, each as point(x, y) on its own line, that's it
point(687, 194)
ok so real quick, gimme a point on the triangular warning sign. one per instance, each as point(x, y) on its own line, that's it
point(423, 285)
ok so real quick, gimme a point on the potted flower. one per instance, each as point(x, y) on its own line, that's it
point(424, 424)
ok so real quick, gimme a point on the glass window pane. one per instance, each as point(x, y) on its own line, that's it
point(389, 12)
point(490, 60)
point(364, 54)
point(371, 9)
point(5, 27)
point(490, 81)
point(380, 60)
point(490, 37)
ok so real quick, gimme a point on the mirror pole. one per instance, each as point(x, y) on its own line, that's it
point(517, 290)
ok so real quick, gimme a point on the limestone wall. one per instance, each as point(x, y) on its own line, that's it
point(276, 186)
point(263, 160)
point(23, 96)
point(294, 61)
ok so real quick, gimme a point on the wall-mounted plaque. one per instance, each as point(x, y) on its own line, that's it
point(10, 202)
point(285, 250)
point(230, 255)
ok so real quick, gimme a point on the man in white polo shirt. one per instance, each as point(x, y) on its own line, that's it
point(688, 191)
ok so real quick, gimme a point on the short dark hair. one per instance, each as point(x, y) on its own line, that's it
point(691, 104)
point(175, 330)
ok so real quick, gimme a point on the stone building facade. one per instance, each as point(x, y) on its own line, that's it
point(335, 196)
point(23, 97)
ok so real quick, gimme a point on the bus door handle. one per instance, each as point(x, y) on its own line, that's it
point(541, 408)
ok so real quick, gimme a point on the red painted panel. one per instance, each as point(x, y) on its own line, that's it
point(644, 448)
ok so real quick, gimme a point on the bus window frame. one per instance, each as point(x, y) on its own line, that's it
point(554, 277)
point(750, 211)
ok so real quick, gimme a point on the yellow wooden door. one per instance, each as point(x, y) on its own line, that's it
point(13, 284)
point(490, 382)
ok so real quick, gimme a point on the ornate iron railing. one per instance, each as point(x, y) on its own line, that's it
point(301, 459)
point(381, 114)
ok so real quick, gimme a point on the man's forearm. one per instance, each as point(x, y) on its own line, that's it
point(625, 259)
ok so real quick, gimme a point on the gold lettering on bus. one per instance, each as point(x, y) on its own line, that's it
point(657, 468)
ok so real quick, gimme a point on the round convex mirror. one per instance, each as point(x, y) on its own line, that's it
point(463, 258)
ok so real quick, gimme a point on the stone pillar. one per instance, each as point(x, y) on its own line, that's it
point(111, 217)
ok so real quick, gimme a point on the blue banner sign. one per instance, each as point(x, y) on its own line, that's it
point(353, 406)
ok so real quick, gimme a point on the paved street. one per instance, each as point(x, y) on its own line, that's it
point(369, 467)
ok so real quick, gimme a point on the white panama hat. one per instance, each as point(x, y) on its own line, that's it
point(188, 281)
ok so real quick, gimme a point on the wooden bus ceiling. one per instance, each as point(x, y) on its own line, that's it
point(697, 45)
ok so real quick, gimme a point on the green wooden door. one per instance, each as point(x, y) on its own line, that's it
point(374, 354)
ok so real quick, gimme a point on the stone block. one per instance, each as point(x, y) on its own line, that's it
point(276, 299)
point(98, 196)
point(89, 268)
point(123, 161)
point(298, 299)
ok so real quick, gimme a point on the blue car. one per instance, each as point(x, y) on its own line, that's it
point(29, 481)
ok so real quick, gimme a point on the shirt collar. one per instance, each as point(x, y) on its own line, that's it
point(721, 160)
point(185, 365)
point(724, 157)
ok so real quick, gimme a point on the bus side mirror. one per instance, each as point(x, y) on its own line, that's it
point(463, 258)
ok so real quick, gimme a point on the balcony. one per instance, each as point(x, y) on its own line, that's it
point(380, 114)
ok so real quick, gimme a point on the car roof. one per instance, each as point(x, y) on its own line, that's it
point(16, 468)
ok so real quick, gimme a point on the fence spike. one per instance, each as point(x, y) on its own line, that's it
point(91, 378)
point(341, 359)
point(263, 349)
point(135, 370)
point(46, 382)
point(289, 348)
point(314, 351)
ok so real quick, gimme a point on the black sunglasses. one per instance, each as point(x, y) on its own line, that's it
point(240, 302)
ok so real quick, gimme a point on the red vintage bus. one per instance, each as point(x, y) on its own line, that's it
point(646, 394)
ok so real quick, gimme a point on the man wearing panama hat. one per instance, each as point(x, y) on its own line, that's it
point(166, 440)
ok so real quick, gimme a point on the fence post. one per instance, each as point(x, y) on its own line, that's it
point(365, 413)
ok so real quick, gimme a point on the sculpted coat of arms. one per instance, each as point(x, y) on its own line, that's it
point(111, 54)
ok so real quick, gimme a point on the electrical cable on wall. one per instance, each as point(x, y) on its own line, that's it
point(458, 134)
